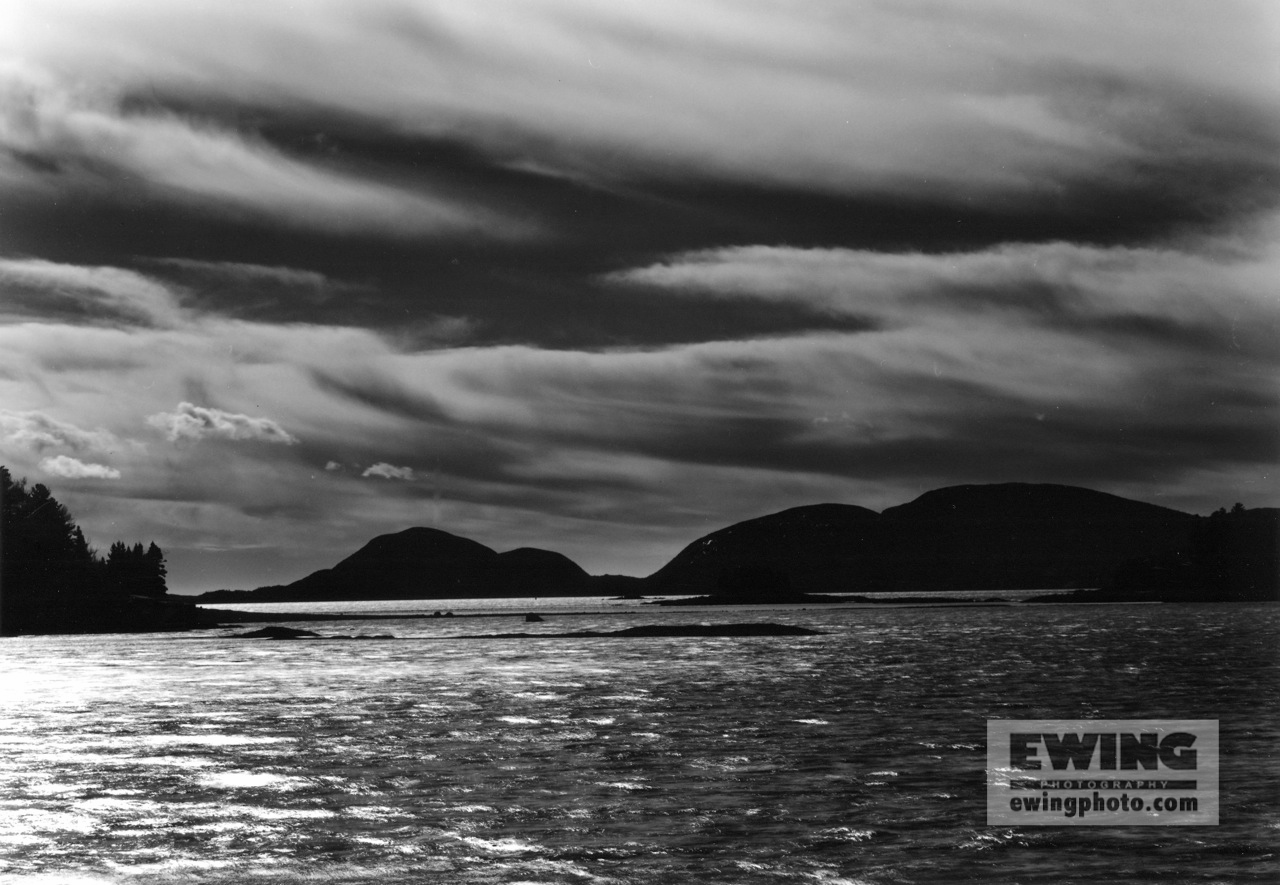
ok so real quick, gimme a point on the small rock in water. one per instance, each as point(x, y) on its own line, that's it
point(274, 632)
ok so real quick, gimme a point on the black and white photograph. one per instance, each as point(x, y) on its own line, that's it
point(631, 442)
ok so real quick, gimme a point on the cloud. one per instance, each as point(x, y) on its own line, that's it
point(1147, 370)
point(97, 148)
point(250, 273)
point(198, 422)
point(39, 432)
point(70, 468)
point(332, 466)
point(1180, 299)
point(387, 471)
point(980, 367)
point(925, 98)
point(965, 348)
point(47, 289)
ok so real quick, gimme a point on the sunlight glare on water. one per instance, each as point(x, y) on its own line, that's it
point(854, 756)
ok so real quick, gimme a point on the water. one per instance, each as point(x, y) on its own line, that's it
point(419, 607)
point(575, 604)
point(856, 756)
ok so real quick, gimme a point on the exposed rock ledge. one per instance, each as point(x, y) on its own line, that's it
point(643, 632)
point(664, 630)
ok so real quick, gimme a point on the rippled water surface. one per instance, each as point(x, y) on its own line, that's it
point(854, 756)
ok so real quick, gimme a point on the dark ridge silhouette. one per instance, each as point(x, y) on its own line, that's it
point(423, 563)
point(1228, 557)
point(1020, 536)
point(416, 563)
point(974, 537)
point(992, 537)
point(804, 550)
point(528, 571)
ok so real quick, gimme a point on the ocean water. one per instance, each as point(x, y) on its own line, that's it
point(856, 756)
point(578, 604)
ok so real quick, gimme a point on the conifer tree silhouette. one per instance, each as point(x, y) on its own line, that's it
point(51, 580)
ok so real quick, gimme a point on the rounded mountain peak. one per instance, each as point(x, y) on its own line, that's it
point(1019, 500)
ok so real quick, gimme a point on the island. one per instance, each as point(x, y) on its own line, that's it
point(1006, 536)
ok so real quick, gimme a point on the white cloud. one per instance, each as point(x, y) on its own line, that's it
point(251, 273)
point(387, 471)
point(332, 466)
point(97, 293)
point(926, 96)
point(95, 144)
point(190, 421)
point(954, 376)
point(71, 468)
point(1069, 288)
point(38, 432)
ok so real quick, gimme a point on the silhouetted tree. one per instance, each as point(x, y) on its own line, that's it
point(131, 571)
point(156, 571)
point(45, 564)
point(51, 580)
point(1229, 556)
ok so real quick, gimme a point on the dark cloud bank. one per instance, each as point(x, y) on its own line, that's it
point(638, 275)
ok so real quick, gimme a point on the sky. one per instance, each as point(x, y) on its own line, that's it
point(602, 277)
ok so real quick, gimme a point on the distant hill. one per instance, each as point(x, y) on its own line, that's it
point(814, 549)
point(423, 563)
point(1229, 557)
point(973, 537)
point(1022, 536)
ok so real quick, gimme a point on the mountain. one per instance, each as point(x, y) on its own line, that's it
point(528, 571)
point(1229, 557)
point(814, 549)
point(1022, 536)
point(974, 537)
point(423, 563)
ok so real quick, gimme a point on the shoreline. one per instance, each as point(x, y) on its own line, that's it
point(232, 616)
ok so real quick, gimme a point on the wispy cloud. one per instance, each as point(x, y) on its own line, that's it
point(848, 251)
point(192, 422)
point(1188, 298)
point(98, 148)
point(921, 98)
point(39, 432)
point(388, 471)
point(72, 468)
point(249, 272)
point(34, 287)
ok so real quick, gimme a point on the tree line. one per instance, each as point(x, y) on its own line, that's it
point(1229, 556)
point(52, 581)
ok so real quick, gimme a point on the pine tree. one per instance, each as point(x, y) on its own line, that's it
point(156, 571)
point(51, 580)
